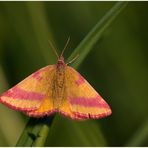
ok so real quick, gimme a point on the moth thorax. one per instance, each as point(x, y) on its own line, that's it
point(60, 77)
point(60, 62)
point(59, 83)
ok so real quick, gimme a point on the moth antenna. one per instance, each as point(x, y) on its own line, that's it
point(65, 46)
point(53, 48)
point(73, 59)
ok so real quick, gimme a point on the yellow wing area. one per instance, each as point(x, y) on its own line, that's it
point(82, 100)
point(31, 93)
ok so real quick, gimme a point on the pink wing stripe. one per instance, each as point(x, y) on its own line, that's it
point(89, 102)
point(80, 80)
point(17, 93)
point(37, 76)
point(88, 116)
point(39, 115)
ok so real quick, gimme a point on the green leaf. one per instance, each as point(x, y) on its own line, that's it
point(86, 45)
point(35, 132)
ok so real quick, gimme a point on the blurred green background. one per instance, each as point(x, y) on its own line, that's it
point(117, 67)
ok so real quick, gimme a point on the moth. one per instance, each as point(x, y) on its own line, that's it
point(56, 88)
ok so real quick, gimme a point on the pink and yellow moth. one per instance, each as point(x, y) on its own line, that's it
point(56, 88)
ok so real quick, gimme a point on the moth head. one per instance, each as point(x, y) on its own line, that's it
point(61, 60)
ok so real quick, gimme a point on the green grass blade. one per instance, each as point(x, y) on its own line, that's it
point(94, 35)
point(40, 141)
point(35, 132)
